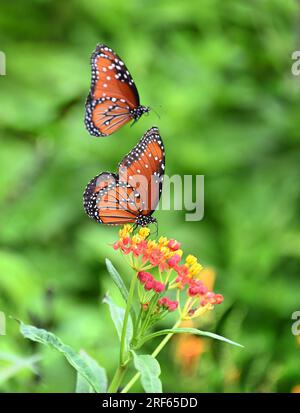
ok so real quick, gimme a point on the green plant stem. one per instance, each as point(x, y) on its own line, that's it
point(136, 326)
point(116, 381)
point(145, 323)
point(154, 354)
point(125, 323)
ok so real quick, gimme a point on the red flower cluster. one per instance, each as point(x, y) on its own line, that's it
point(168, 304)
point(198, 289)
point(150, 283)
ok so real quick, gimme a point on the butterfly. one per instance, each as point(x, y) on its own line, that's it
point(131, 195)
point(113, 99)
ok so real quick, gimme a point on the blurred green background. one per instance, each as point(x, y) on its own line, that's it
point(219, 74)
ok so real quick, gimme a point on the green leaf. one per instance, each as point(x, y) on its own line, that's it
point(117, 279)
point(149, 369)
point(79, 363)
point(190, 331)
point(117, 314)
point(16, 364)
point(82, 385)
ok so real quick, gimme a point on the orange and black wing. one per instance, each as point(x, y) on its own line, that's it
point(118, 204)
point(111, 202)
point(106, 115)
point(113, 95)
point(92, 190)
point(143, 168)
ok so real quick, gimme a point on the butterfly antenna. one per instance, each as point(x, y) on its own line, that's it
point(156, 113)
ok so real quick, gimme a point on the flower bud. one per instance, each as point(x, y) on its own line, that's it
point(173, 245)
point(158, 287)
point(172, 305)
point(162, 302)
point(173, 261)
point(193, 290)
point(149, 285)
point(167, 303)
point(144, 276)
point(219, 298)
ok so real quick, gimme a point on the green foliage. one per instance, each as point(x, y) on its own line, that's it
point(117, 279)
point(87, 369)
point(117, 316)
point(149, 369)
point(218, 73)
point(82, 385)
point(190, 331)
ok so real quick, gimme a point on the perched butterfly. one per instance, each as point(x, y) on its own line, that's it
point(131, 195)
point(113, 99)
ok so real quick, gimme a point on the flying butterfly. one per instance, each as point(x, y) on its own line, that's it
point(131, 195)
point(113, 99)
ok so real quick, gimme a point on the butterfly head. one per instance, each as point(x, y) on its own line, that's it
point(144, 220)
point(136, 113)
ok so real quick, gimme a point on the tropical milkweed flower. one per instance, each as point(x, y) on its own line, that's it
point(166, 279)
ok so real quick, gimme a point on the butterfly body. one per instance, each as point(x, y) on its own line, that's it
point(145, 220)
point(113, 99)
point(131, 195)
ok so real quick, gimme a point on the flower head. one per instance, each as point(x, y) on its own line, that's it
point(163, 273)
